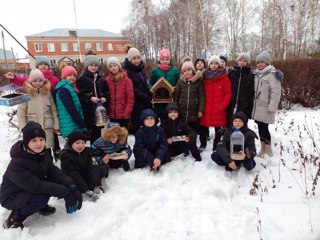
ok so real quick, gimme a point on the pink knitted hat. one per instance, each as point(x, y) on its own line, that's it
point(67, 70)
point(35, 74)
point(186, 65)
point(165, 53)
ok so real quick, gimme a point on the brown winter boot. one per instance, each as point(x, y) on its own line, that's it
point(262, 150)
point(268, 150)
point(13, 221)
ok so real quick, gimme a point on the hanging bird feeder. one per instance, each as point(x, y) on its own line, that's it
point(11, 96)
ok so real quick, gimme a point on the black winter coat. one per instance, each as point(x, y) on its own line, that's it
point(86, 90)
point(29, 174)
point(81, 167)
point(142, 94)
point(244, 101)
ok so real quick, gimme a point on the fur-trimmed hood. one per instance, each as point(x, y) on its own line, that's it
point(195, 78)
point(46, 88)
point(120, 131)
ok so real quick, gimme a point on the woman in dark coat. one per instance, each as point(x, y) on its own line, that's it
point(31, 179)
point(142, 95)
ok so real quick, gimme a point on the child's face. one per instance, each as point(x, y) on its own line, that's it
point(78, 146)
point(261, 65)
point(93, 68)
point(43, 67)
point(188, 72)
point(149, 121)
point(136, 60)
point(200, 65)
point(114, 68)
point(242, 63)
point(37, 144)
point(114, 138)
point(165, 61)
point(71, 78)
point(37, 83)
point(237, 123)
point(214, 66)
point(223, 63)
point(173, 114)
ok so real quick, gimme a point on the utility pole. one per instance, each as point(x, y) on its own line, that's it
point(4, 51)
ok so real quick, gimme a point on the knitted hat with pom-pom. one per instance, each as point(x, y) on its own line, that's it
point(68, 70)
point(35, 74)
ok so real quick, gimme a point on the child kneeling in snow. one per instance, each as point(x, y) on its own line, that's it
point(31, 179)
point(78, 163)
point(180, 135)
point(111, 149)
point(222, 155)
point(151, 146)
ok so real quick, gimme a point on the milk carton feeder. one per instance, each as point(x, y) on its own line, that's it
point(11, 96)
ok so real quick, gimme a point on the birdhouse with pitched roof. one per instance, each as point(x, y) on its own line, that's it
point(162, 91)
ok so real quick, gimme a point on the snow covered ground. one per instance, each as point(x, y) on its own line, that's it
point(190, 200)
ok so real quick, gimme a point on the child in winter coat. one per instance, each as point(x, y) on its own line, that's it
point(77, 162)
point(111, 148)
point(31, 179)
point(267, 88)
point(121, 93)
point(41, 108)
point(142, 96)
point(92, 89)
point(242, 85)
point(180, 136)
point(189, 96)
point(164, 69)
point(151, 147)
point(68, 104)
point(218, 93)
point(222, 155)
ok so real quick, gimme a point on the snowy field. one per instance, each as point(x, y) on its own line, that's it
point(190, 200)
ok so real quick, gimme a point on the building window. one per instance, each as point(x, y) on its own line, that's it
point(73, 33)
point(87, 46)
point(38, 47)
point(51, 47)
point(75, 47)
point(99, 47)
point(110, 47)
point(64, 47)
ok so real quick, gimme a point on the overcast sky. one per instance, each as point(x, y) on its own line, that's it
point(23, 18)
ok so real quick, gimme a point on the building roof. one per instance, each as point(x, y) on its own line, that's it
point(9, 54)
point(65, 32)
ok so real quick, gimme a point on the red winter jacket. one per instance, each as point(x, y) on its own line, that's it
point(121, 97)
point(217, 88)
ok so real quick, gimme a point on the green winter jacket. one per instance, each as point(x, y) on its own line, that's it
point(172, 75)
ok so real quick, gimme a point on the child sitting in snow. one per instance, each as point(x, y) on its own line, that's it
point(77, 162)
point(180, 136)
point(111, 148)
point(222, 155)
point(151, 146)
point(31, 179)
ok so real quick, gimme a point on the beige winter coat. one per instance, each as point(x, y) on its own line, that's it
point(41, 109)
point(267, 94)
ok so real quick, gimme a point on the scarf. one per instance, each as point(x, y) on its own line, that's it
point(164, 67)
point(262, 72)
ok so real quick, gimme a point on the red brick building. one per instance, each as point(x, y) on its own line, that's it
point(9, 62)
point(68, 44)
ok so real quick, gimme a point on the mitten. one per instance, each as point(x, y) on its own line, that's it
point(76, 194)
point(93, 196)
point(250, 154)
point(70, 202)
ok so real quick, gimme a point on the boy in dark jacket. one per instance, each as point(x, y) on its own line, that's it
point(77, 162)
point(151, 146)
point(180, 136)
point(31, 179)
point(222, 155)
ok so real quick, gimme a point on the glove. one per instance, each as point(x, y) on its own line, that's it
point(93, 196)
point(76, 194)
point(250, 154)
point(71, 203)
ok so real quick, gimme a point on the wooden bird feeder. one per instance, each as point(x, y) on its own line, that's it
point(162, 91)
point(11, 96)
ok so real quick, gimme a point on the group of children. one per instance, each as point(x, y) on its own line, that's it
point(203, 98)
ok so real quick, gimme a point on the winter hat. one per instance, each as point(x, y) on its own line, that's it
point(91, 60)
point(113, 60)
point(67, 70)
point(32, 130)
point(264, 57)
point(75, 136)
point(214, 58)
point(133, 52)
point(200, 60)
point(244, 56)
point(224, 59)
point(35, 74)
point(148, 113)
point(165, 53)
point(241, 116)
point(42, 59)
point(187, 65)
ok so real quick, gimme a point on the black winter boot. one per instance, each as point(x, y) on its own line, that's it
point(47, 210)
point(14, 221)
point(126, 166)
